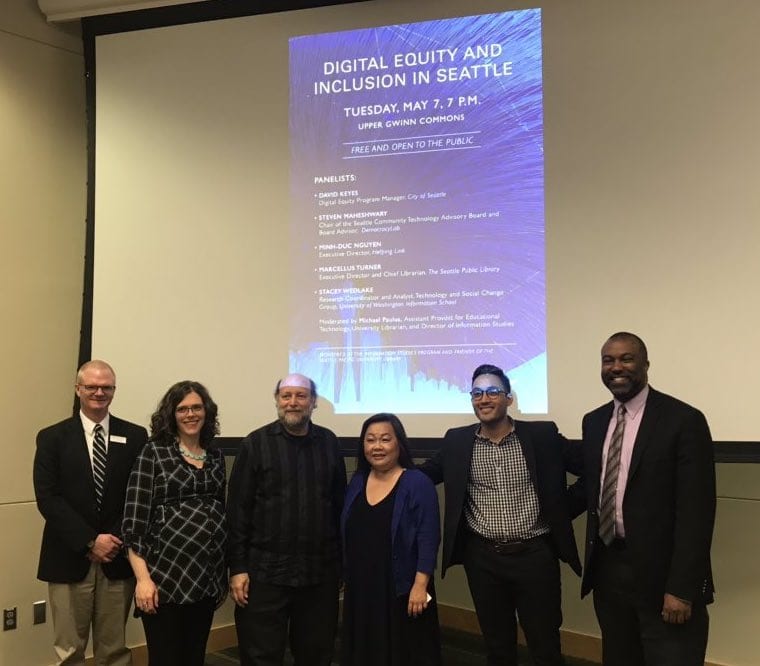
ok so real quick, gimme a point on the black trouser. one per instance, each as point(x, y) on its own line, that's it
point(634, 634)
point(177, 634)
point(526, 583)
point(307, 615)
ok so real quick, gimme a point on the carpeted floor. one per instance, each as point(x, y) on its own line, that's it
point(459, 649)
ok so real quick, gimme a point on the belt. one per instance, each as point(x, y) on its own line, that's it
point(508, 547)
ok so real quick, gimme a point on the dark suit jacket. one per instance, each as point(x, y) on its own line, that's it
point(669, 501)
point(548, 456)
point(65, 492)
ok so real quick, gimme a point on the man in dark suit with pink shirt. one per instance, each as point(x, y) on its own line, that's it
point(650, 490)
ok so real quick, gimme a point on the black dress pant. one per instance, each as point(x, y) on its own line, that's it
point(177, 634)
point(524, 583)
point(634, 633)
point(307, 616)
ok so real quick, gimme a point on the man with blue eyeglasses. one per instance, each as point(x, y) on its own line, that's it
point(508, 519)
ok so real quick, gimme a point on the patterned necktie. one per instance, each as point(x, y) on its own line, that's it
point(609, 491)
point(99, 463)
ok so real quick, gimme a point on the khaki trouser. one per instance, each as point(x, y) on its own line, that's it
point(95, 602)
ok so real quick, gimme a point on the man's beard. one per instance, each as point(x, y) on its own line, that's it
point(294, 420)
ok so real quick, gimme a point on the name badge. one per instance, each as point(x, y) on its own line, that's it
point(117, 439)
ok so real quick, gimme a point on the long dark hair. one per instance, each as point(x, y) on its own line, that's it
point(163, 423)
point(404, 457)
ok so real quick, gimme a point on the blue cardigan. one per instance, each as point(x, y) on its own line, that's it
point(415, 525)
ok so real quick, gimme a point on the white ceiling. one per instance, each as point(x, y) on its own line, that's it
point(70, 10)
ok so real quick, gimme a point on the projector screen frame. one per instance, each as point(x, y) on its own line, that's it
point(93, 27)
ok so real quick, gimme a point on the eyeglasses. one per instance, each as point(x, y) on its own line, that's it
point(92, 389)
point(190, 409)
point(491, 392)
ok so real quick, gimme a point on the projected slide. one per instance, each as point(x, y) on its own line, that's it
point(417, 212)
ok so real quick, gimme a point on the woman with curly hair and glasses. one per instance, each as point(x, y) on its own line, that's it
point(174, 527)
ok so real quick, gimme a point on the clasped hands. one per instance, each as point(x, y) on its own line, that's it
point(105, 548)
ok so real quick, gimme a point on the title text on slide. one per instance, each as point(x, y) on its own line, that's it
point(378, 73)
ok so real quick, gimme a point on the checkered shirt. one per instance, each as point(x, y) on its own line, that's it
point(174, 518)
point(502, 503)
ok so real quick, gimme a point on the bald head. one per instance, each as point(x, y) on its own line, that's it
point(296, 380)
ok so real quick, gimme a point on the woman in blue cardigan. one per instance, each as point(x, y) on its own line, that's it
point(391, 530)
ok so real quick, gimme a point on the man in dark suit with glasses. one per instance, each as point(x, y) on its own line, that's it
point(81, 468)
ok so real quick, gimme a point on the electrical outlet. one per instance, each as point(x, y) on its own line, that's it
point(38, 612)
point(9, 618)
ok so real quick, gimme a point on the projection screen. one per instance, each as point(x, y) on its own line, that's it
point(384, 195)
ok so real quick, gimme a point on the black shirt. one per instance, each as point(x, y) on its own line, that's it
point(284, 504)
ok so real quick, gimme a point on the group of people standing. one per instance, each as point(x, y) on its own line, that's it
point(132, 516)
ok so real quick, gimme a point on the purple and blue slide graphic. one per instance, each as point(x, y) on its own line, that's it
point(417, 212)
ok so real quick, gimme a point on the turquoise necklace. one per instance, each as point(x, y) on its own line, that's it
point(194, 456)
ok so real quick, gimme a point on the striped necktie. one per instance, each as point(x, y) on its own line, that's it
point(99, 462)
point(609, 491)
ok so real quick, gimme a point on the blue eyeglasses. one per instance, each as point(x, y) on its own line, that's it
point(491, 392)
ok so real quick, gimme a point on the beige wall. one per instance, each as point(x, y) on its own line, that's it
point(42, 190)
point(43, 185)
point(42, 224)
